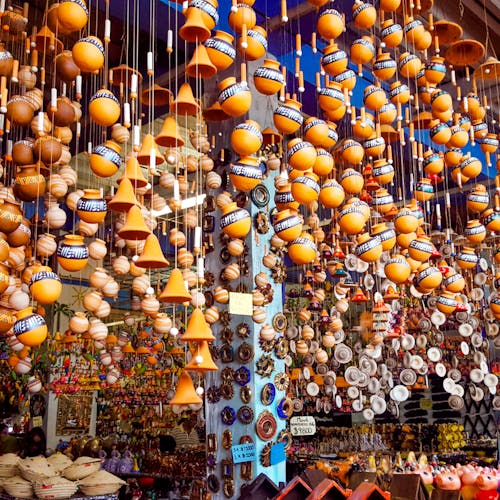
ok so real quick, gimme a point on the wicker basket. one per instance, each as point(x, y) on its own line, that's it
point(36, 469)
point(8, 465)
point(81, 468)
point(55, 488)
point(18, 487)
point(59, 462)
point(100, 483)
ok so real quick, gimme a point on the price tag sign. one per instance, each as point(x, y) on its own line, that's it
point(244, 453)
point(37, 421)
point(303, 426)
point(278, 453)
point(241, 303)
point(426, 404)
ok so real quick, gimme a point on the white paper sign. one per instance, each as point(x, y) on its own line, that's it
point(302, 426)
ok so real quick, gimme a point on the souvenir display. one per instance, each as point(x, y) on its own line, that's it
point(270, 224)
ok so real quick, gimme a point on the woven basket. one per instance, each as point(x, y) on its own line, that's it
point(100, 483)
point(8, 465)
point(59, 462)
point(55, 488)
point(81, 468)
point(36, 469)
point(18, 487)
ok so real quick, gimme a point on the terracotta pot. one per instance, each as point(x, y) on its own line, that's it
point(368, 249)
point(334, 60)
point(471, 167)
point(475, 232)
point(397, 269)
point(446, 302)
point(91, 207)
point(302, 250)
point(104, 108)
point(362, 50)
point(30, 183)
point(324, 163)
point(30, 328)
point(287, 117)
point(242, 15)
point(72, 253)
point(424, 190)
point(88, 54)
point(20, 236)
point(332, 194)
point(478, 199)
point(409, 65)
point(48, 150)
point(454, 282)
point(22, 152)
point(268, 79)
point(467, 258)
point(256, 44)
point(287, 225)
point(11, 215)
point(352, 181)
point(384, 67)
point(72, 15)
point(19, 110)
point(428, 278)
point(284, 198)
point(435, 70)
point(391, 33)
point(220, 50)
point(351, 220)
point(246, 138)
point(235, 221)
point(330, 24)
point(45, 286)
point(66, 68)
point(421, 248)
point(234, 98)
point(105, 159)
point(387, 235)
point(246, 173)
point(305, 188)
point(364, 15)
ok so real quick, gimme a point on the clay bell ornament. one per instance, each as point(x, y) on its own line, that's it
point(175, 291)
point(185, 393)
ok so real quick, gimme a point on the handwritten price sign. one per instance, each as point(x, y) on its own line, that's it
point(303, 426)
point(244, 453)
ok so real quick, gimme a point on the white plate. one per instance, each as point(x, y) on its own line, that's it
point(312, 389)
point(484, 367)
point(465, 330)
point(438, 318)
point(490, 380)
point(399, 393)
point(408, 342)
point(378, 405)
point(338, 401)
point(306, 373)
point(357, 405)
point(416, 362)
point(458, 390)
point(448, 385)
point(464, 347)
point(368, 414)
point(434, 354)
point(476, 375)
point(352, 392)
point(440, 370)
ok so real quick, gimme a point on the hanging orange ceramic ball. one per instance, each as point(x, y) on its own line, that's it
point(453, 281)
point(66, 68)
point(433, 162)
point(287, 224)
point(45, 285)
point(301, 154)
point(334, 60)
point(246, 138)
point(421, 248)
point(413, 29)
point(397, 269)
point(383, 171)
point(364, 126)
point(331, 97)
point(424, 190)
point(302, 250)
point(386, 234)
point(387, 113)
point(105, 159)
point(30, 328)
point(88, 54)
point(428, 278)
point(352, 181)
point(256, 44)
point(478, 199)
point(364, 15)
point(374, 146)
point(72, 14)
point(245, 173)
point(235, 97)
point(384, 67)
point(330, 24)
point(389, 5)
point(324, 163)
point(471, 166)
point(220, 50)
point(459, 137)
point(368, 248)
point(347, 79)
point(362, 50)
point(435, 70)
point(441, 100)
point(391, 33)
point(287, 117)
point(235, 222)
point(409, 65)
point(305, 188)
point(268, 79)
point(424, 41)
point(240, 15)
point(352, 152)
point(104, 108)
point(351, 220)
point(284, 199)
point(374, 97)
point(332, 194)
point(440, 133)
point(399, 93)
point(316, 131)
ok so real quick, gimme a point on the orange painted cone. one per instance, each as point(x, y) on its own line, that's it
point(185, 394)
point(134, 173)
point(207, 364)
point(185, 103)
point(200, 65)
point(169, 136)
point(124, 198)
point(144, 155)
point(197, 328)
point(152, 256)
point(194, 29)
point(175, 291)
point(135, 228)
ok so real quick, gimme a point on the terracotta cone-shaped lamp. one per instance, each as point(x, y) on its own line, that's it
point(169, 136)
point(134, 173)
point(135, 228)
point(197, 328)
point(207, 364)
point(144, 155)
point(194, 29)
point(124, 198)
point(175, 291)
point(185, 394)
point(214, 113)
point(200, 65)
point(156, 96)
point(185, 103)
point(152, 256)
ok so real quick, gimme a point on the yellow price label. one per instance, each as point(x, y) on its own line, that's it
point(426, 404)
point(241, 303)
